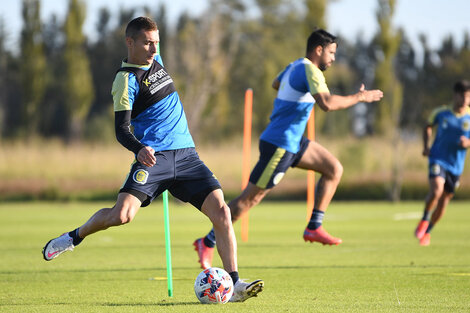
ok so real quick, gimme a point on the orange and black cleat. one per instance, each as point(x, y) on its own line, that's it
point(421, 229)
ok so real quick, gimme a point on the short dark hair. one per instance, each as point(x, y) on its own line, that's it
point(462, 86)
point(138, 24)
point(319, 37)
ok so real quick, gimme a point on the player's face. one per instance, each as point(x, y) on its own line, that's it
point(327, 56)
point(143, 48)
point(462, 99)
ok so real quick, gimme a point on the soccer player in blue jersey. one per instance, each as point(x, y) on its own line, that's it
point(282, 144)
point(446, 157)
point(165, 158)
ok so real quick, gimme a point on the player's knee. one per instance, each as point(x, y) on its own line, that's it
point(436, 192)
point(250, 202)
point(122, 215)
point(337, 172)
point(222, 216)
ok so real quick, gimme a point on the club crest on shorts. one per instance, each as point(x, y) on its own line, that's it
point(140, 176)
point(435, 169)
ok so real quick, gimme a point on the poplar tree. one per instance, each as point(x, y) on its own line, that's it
point(32, 68)
point(315, 17)
point(79, 91)
point(388, 42)
point(3, 73)
point(387, 119)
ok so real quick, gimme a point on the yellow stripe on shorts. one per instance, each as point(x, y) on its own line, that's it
point(128, 174)
point(269, 170)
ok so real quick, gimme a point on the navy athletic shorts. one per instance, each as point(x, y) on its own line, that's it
point(274, 162)
point(452, 181)
point(180, 171)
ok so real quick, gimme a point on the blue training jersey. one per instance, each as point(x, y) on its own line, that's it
point(293, 104)
point(446, 150)
point(163, 125)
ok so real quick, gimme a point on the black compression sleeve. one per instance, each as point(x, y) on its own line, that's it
point(122, 123)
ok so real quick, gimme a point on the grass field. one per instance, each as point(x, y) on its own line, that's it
point(379, 268)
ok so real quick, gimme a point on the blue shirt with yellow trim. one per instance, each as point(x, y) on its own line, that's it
point(294, 102)
point(163, 125)
point(446, 150)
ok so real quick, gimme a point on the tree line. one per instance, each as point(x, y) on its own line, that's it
point(58, 83)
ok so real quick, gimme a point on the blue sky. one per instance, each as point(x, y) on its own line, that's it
point(350, 18)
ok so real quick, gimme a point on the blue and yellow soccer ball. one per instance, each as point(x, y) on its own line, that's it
point(213, 285)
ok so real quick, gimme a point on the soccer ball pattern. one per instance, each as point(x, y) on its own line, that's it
point(213, 285)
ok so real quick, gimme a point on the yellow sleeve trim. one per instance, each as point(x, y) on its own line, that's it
point(120, 92)
point(316, 79)
point(432, 116)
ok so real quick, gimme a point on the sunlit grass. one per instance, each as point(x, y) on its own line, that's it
point(379, 267)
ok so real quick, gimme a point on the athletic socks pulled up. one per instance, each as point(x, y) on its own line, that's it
point(316, 220)
point(74, 235)
point(234, 276)
point(209, 240)
point(426, 215)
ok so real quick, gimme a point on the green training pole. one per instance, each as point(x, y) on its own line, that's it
point(166, 216)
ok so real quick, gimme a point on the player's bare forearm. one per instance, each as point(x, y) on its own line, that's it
point(329, 102)
point(427, 133)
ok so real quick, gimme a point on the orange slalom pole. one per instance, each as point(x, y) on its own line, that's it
point(246, 155)
point(310, 173)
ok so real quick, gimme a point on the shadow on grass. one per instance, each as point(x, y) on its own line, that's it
point(164, 304)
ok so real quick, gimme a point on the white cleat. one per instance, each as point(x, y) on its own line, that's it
point(57, 246)
point(243, 291)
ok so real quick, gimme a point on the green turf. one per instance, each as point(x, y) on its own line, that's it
point(379, 268)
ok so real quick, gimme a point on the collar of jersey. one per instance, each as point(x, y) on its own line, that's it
point(144, 67)
point(450, 107)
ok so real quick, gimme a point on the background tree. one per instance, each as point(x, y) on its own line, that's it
point(387, 119)
point(78, 80)
point(32, 67)
point(205, 53)
point(53, 121)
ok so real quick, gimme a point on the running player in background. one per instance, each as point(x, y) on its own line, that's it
point(446, 157)
point(282, 145)
point(145, 97)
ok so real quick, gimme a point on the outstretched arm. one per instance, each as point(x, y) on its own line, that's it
point(427, 133)
point(329, 102)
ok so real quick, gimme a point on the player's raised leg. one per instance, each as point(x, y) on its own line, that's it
point(438, 213)
point(123, 212)
point(320, 160)
point(251, 196)
point(436, 189)
point(218, 212)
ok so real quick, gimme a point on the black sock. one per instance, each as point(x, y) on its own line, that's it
point(430, 226)
point(209, 240)
point(426, 215)
point(75, 237)
point(234, 276)
point(316, 220)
